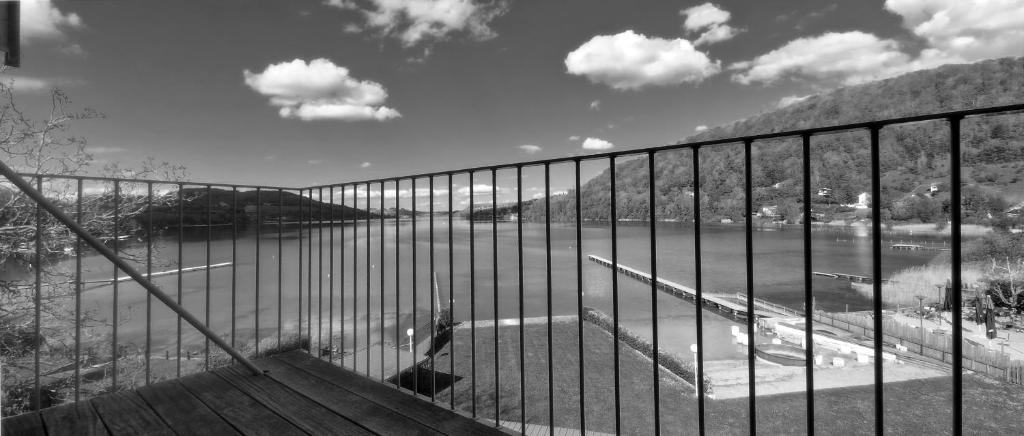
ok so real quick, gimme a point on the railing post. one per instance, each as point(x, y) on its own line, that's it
point(808, 277)
point(957, 283)
point(876, 273)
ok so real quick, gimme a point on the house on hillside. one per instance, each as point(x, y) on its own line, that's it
point(863, 201)
point(769, 211)
point(825, 192)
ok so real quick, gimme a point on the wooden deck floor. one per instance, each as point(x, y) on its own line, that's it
point(299, 395)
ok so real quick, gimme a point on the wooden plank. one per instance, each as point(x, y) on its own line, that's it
point(126, 413)
point(24, 424)
point(440, 419)
point(183, 411)
point(373, 416)
point(240, 410)
point(78, 419)
point(297, 409)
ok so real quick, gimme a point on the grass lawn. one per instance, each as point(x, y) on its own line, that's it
point(912, 407)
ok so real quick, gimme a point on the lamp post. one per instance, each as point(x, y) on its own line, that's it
point(410, 333)
point(696, 384)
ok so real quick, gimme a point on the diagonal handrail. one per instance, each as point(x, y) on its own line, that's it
point(95, 243)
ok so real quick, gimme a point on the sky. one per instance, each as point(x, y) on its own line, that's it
point(304, 92)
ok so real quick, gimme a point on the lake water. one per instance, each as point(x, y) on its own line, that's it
point(778, 276)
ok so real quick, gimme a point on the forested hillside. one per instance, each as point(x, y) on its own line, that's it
point(914, 157)
point(225, 206)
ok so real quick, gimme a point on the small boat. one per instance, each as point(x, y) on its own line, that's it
point(786, 355)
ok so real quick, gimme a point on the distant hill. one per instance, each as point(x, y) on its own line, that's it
point(290, 206)
point(914, 157)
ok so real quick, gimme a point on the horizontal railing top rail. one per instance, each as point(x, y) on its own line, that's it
point(732, 140)
point(155, 181)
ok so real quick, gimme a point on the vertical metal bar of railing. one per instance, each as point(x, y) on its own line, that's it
point(368, 281)
point(579, 296)
point(652, 222)
point(433, 287)
point(415, 269)
point(115, 352)
point(522, 342)
point(808, 291)
point(876, 274)
point(309, 274)
point(494, 275)
point(698, 300)
point(451, 288)
point(547, 272)
point(209, 237)
point(320, 274)
point(341, 274)
point(748, 200)
point(78, 296)
point(257, 272)
point(472, 295)
point(330, 278)
point(613, 218)
point(181, 228)
point(280, 263)
point(398, 284)
point(956, 279)
point(37, 261)
point(149, 273)
point(355, 279)
point(298, 272)
point(234, 262)
point(380, 321)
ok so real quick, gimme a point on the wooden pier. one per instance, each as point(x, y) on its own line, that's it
point(720, 303)
point(843, 276)
point(911, 247)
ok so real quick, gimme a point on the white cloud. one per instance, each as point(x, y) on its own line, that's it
point(574, 138)
point(320, 90)
point(41, 20)
point(365, 165)
point(712, 20)
point(846, 58)
point(315, 161)
point(28, 84)
point(791, 99)
point(596, 144)
point(540, 195)
point(700, 128)
point(479, 189)
point(416, 21)
point(629, 60)
point(595, 105)
point(954, 31)
point(965, 29)
point(529, 148)
point(74, 49)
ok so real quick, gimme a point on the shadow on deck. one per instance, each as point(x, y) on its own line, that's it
point(298, 395)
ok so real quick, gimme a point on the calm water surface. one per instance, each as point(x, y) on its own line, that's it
point(778, 276)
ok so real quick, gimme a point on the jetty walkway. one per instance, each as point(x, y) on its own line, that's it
point(722, 303)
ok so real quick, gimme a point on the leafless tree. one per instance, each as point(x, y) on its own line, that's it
point(49, 147)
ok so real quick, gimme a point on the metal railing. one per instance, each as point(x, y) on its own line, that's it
point(873, 128)
point(107, 243)
point(355, 245)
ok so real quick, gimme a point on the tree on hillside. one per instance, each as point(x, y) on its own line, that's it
point(1002, 255)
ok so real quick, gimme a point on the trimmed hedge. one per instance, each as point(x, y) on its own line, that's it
point(674, 363)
